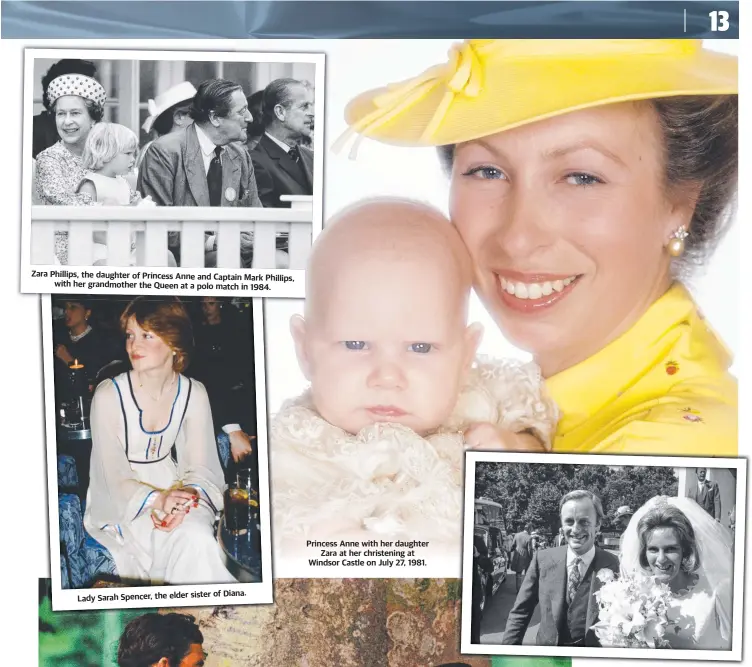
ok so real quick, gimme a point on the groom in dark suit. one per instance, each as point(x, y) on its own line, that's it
point(562, 580)
point(283, 166)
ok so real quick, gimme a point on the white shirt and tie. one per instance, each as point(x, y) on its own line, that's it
point(581, 563)
point(279, 143)
point(207, 148)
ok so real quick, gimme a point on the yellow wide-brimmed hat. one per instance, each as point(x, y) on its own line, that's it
point(492, 85)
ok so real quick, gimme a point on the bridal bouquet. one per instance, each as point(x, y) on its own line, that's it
point(633, 611)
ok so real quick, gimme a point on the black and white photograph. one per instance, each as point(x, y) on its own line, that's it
point(176, 160)
point(584, 556)
point(157, 449)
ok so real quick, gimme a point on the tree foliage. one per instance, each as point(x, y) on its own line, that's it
point(79, 638)
point(530, 492)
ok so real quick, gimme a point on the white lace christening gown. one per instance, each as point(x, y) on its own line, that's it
point(387, 480)
point(129, 465)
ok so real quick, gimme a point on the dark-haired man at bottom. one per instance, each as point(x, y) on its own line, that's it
point(161, 640)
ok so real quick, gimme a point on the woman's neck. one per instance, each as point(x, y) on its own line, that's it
point(154, 381)
point(556, 361)
point(77, 148)
point(681, 582)
point(213, 320)
point(78, 329)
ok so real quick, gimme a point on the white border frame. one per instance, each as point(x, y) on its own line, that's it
point(740, 465)
point(294, 289)
point(252, 593)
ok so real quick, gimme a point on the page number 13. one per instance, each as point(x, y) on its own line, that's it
point(719, 21)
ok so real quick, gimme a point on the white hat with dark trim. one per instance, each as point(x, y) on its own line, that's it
point(183, 92)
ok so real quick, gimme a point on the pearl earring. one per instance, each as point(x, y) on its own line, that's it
point(676, 243)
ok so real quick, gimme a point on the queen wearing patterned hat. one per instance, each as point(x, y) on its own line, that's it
point(77, 103)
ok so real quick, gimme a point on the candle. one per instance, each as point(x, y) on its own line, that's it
point(75, 365)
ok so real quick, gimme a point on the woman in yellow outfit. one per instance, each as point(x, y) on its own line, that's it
point(587, 178)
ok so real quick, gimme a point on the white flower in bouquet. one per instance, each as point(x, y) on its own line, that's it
point(633, 611)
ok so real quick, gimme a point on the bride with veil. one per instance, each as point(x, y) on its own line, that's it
point(678, 543)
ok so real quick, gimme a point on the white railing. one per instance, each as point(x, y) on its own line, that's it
point(152, 224)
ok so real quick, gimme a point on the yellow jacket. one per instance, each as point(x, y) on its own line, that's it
point(661, 388)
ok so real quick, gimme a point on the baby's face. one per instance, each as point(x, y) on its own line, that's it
point(388, 343)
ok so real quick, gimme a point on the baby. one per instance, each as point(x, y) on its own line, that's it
point(396, 394)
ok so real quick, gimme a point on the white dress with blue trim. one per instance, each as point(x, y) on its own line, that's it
point(130, 465)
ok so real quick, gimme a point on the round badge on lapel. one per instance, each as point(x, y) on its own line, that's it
point(230, 194)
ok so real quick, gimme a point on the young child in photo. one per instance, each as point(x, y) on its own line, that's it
point(375, 446)
point(109, 156)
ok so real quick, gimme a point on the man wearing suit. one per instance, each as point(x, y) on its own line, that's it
point(706, 494)
point(521, 554)
point(201, 165)
point(283, 166)
point(563, 580)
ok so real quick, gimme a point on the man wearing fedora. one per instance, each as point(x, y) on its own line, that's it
point(706, 493)
point(562, 580)
point(203, 164)
point(283, 166)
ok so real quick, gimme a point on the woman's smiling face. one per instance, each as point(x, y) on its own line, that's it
point(72, 119)
point(567, 221)
point(663, 552)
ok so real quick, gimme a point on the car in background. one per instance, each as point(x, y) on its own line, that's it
point(489, 529)
point(610, 541)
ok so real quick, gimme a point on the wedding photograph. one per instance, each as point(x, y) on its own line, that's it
point(603, 556)
point(157, 458)
point(171, 159)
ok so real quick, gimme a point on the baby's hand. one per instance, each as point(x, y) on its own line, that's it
point(145, 201)
point(485, 436)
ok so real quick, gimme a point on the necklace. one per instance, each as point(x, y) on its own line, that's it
point(78, 337)
point(156, 399)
